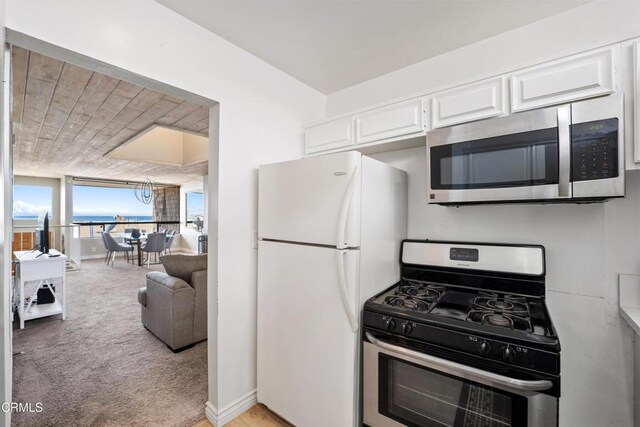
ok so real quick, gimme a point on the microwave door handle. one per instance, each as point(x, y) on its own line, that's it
point(463, 371)
point(564, 151)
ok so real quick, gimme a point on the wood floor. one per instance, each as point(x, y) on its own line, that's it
point(258, 416)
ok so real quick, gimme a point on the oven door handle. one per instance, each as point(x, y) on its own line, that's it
point(463, 371)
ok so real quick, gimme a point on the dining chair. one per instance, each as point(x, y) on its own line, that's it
point(114, 247)
point(156, 243)
point(106, 247)
point(169, 243)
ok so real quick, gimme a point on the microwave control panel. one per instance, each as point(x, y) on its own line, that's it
point(594, 150)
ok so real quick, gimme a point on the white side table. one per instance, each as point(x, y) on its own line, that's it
point(32, 269)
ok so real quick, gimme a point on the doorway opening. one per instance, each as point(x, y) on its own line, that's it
point(87, 343)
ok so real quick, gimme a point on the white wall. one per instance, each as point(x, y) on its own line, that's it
point(261, 114)
point(205, 190)
point(188, 238)
point(195, 148)
point(587, 246)
point(594, 24)
point(159, 145)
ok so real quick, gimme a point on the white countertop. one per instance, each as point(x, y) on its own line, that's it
point(629, 287)
point(36, 256)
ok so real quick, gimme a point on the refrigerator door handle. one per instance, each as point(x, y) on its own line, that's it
point(342, 284)
point(344, 209)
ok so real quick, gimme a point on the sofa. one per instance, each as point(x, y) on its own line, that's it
point(174, 304)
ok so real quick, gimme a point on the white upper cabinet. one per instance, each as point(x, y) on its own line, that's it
point(576, 77)
point(391, 121)
point(329, 136)
point(475, 101)
point(397, 125)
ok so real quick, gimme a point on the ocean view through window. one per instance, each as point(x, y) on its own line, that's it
point(29, 201)
point(195, 205)
point(102, 204)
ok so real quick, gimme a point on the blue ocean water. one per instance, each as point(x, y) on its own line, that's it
point(93, 218)
point(109, 218)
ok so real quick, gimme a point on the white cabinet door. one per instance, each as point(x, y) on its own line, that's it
point(391, 121)
point(470, 102)
point(328, 136)
point(313, 200)
point(576, 77)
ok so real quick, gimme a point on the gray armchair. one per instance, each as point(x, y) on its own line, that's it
point(174, 304)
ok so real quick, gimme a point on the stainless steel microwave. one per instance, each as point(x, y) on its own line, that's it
point(568, 153)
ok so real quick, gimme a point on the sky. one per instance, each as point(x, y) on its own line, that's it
point(30, 200)
point(101, 201)
point(195, 205)
point(92, 201)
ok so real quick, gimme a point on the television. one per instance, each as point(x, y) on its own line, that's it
point(42, 233)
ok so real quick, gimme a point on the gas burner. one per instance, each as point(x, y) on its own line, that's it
point(409, 303)
point(424, 291)
point(496, 319)
point(500, 305)
point(508, 311)
point(501, 318)
point(509, 304)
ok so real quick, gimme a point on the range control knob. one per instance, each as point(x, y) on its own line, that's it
point(485, 348)
point(390, 324)
point(508, 354)
point(406, 328)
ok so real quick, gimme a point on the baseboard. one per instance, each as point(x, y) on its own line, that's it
point(211, 413)
point(103, 256)
point(231, 411)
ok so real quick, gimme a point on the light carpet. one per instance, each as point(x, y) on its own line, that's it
point(101, 367)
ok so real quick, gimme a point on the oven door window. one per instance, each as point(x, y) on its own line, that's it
point(417, 396)
point(516, 160)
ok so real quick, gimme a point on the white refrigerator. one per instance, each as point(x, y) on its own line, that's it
point(329, 232)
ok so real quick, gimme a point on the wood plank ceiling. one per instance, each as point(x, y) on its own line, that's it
point(66, 118)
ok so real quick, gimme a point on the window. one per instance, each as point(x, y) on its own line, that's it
point(98, 203)
point(31, 200)
point(195, 205)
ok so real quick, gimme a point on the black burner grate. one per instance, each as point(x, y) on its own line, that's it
point(408, 303)
point(509, 311)
point(416, 296)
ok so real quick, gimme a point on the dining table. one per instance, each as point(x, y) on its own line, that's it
point(137, 242)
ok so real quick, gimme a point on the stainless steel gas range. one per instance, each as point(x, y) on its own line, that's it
point(464, 339)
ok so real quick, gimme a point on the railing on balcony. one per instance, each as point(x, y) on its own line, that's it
point(24, 236)
point(24, 239)
point(92, 229)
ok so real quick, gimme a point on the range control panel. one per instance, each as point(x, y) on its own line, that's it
point(471, 343)
point(594, 150)
point(463, 254)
